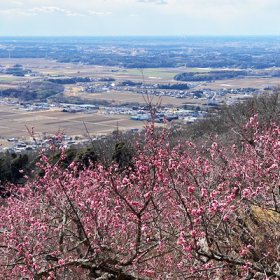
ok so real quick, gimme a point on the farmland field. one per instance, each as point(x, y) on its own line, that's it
point(119, 98)
point(14, 119)
point(13, 122)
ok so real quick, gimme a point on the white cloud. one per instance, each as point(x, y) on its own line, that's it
point(16, 12)
point(17, 3)
point(96, 13)
point(142, 16)
point(158, 2)
point(35, 11)
point(54, 9)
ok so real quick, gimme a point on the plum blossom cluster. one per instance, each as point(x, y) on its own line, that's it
point(180, 212)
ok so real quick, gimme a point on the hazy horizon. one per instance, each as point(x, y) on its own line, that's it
point(143, 36)
point(139, 18)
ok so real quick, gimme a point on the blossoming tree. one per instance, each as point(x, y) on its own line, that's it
point(179, 212)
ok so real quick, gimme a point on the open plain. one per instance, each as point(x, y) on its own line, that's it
point(14, 118)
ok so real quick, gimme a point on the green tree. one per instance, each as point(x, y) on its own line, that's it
point(19, 163)
point(123, 155)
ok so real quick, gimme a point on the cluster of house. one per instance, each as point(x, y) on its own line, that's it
point(99, 88)
point(79, 108)
point(187, 116)
point(65, 107)
point(211, 94)
point(159, 92)
point(214, 96)
point(20, 146)
point(35, 106)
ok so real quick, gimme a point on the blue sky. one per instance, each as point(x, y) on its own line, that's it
point(139, 17)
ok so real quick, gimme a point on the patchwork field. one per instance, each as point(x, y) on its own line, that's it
point(13, 122)
point(13, 119)
point(46, 68)
point(53, 68)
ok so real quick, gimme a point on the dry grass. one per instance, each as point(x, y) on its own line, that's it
point(266, 216)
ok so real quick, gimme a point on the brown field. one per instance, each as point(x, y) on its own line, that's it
point(119, 98)
point(13, 122)
point(242, 83)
